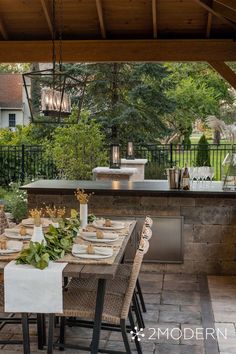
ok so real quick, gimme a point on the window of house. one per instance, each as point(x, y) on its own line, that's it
point(12, 120)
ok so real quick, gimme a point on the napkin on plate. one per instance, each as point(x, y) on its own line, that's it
point(82, 249)
point(28, 289)
point(107, 235)
point(12, 246)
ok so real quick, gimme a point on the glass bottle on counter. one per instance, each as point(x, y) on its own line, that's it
point(185, 179)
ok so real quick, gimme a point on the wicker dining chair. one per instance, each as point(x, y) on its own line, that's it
point(11, 320)
point(81, 304)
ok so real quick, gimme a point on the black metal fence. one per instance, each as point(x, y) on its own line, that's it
point(161, 157)
point(21, 163)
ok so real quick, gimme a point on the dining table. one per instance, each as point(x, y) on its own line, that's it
point(97, 270)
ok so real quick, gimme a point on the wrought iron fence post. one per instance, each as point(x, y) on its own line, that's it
point(171, 155)
point(22, 178)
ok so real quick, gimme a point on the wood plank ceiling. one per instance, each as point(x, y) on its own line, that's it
point(106, 30)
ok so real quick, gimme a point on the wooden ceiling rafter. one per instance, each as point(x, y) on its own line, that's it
point(101, 18)
point(154, 18)
point(225, 11)
point(3, 30)
point(225, 71)
point(47, 15)
point(209, 24)
point(231, 4)
point(215, 13)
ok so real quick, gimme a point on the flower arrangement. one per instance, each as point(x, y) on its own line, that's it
point(81, 196)
point(35, 213)
point(55, 213)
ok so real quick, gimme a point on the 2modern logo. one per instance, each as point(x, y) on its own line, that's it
point(137, 333)
point(176, 333)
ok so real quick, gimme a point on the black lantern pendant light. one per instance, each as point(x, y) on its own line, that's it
point(115, 156)
point(48, 91)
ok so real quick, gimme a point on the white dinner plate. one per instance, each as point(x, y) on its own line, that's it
point(92, 237)
point(12, 247)
point(30, 222)
point(115, 225)
point(102, 252)
point(14, 234)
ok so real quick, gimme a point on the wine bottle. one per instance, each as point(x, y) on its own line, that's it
point(185, 179)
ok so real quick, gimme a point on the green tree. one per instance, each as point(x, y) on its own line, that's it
point(203, 152)
point(198, 92)
point(127, 99)
point(77, 149)
point(16, 68)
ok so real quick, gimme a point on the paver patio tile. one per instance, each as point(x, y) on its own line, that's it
point(152, 298)
point(178, 349)
point(180, 298)
point(180, 317)
point(181, 285)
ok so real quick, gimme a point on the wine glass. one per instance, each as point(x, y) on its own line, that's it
point(211, 173)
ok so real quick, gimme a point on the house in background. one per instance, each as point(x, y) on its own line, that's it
point(14, 109)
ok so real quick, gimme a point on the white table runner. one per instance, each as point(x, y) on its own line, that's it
point(28, 289)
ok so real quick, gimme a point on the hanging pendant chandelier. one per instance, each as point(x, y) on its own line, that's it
point(48, 91)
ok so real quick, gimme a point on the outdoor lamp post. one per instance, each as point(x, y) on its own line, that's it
point(115, 156)
point(130, 151)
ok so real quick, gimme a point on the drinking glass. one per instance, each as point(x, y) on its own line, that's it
point(211, 173)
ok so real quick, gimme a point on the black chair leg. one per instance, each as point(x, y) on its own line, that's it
point(137, 342)
point(62, 332)
point(25, 331)
point(50, 333)
point(41, 329)
point(125, 337)
point(138, 312)
point(140, 294)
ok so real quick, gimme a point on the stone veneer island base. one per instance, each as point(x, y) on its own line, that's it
point(209, 216)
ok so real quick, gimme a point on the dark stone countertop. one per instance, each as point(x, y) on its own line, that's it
point(128, 188)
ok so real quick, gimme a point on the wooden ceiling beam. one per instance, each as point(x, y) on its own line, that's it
point(231, 4)
point(215, 13)
point(47, 15)
point(120, 50)
point(3, 30)
point(209, 23)
point(154, 18)
point(101, 18)
point(225, 71)
point(225, 11)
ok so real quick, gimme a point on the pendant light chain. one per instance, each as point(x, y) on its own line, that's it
point(61, 28)
point(53, 34)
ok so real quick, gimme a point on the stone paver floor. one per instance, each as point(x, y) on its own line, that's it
point(223, 297)
point(173, 307)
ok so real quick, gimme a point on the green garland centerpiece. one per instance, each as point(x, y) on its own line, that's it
point(59, 242)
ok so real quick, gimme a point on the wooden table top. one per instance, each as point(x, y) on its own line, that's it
point(100, 271)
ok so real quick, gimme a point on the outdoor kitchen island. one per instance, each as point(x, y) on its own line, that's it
point(194, 231)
